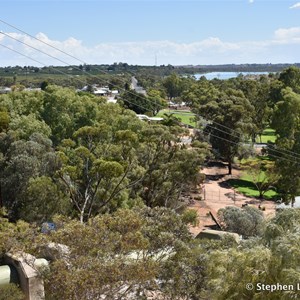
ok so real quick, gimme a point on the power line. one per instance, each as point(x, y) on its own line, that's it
point(237, 135)
point(68, 54)
point(41, 51)
point(221, 138)
point(246, 142)
point(64, 52)
point(53, 47)
point(33, 59)
point(83, 71)
point(272, 155)
point(59, 71)
point(289, 153)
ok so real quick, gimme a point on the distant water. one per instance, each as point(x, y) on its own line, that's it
point(227, 75)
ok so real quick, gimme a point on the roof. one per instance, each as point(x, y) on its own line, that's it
point(144, 117)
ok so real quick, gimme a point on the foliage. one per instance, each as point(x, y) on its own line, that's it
point(287, 125)
point(61, 147)
point(171, 168)
point(262, 173)
point(176, 117)
point(174, 85)
point(268, 135)
point(128, 248)
point(257, 92)
point(98, 164)
point(24, 160)
point(14, 236)
point(226, 115)
point(142, 104)
point(11, 292)
point(130, 253)
point(44, 199)
point(247, 222)
point(95, 177)
point(270, 260)
point(65, 111)
point(245, 186)
point(290, 77)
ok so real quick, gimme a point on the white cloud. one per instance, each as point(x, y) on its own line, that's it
point(297, 5)
point(288, 35)
point(284, 47)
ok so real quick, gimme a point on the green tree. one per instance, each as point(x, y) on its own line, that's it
point(22, 127)
point(25, 160)
point(226, 117)
point(170, 167)
point(98, 168)
point(123, 254)
point(140, 103)
point(43, 198)
point(158, 102)
point(171, 120)
point(272, 259)
point(257, 92)
point(290, 77)
point(65, 111)
point(4, 120)
point(172, 85)
point(287, 125)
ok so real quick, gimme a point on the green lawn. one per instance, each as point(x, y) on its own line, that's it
point(244, 185)
point(268, 135)
point(185, 116)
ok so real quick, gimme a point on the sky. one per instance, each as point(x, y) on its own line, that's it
point(149, 32)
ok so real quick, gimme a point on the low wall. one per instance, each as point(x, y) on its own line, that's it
point(30, 281)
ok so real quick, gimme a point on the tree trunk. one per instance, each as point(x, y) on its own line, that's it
point(81, 216)
point(229, 168)
point(1, 200)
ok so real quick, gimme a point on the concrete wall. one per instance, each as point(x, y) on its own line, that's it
point(30, 281)
point(217, 235)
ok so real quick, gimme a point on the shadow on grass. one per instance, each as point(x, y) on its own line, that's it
point(240, 183)
point(248, 188)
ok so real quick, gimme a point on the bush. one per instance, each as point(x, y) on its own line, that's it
point(190, 216)
point(11, 292)
point(247, 222)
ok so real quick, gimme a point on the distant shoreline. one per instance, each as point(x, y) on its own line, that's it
point(238, 67)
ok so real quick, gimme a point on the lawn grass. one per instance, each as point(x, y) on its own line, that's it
point(246, 187)
point(268, 135)
point(185, 116)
